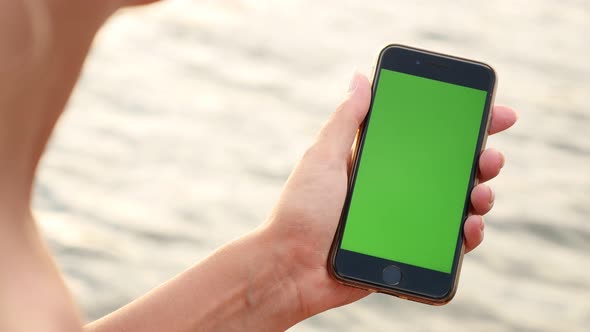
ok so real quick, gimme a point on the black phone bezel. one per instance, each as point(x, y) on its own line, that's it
point(417, 283)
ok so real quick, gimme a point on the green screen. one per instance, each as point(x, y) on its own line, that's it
point(414, 172)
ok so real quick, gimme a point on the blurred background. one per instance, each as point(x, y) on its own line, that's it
point(189, 116)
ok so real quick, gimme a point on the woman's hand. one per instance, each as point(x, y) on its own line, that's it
point(307, 214)
point(277, 275)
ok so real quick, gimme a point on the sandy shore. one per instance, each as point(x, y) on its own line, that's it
point(189, 117)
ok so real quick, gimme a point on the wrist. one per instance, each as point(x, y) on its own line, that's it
point(253, 287)
point(271, 292)
point(306, 282)
point(302, 259)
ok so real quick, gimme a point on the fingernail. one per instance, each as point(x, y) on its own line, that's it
point(353, 82)
point(482, 224)
point(492, 196)
point(503, 160)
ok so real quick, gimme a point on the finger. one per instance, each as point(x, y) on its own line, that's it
point(491, 162)
point(502, 118)
point(336, 137)
point(482, 199)
point(473, 231)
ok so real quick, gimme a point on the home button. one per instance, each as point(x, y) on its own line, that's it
point(392, 275)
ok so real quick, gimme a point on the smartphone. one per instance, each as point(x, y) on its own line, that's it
point(414, 166)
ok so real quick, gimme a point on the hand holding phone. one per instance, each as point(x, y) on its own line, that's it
point(301, 227)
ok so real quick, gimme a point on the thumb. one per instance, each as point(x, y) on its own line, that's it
point(336, 137)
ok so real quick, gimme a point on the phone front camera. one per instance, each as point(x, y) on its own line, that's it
point(418, 62)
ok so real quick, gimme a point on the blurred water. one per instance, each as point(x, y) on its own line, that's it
point(190, 115)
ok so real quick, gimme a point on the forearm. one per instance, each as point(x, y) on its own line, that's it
point(42, 48)
point(241, 287)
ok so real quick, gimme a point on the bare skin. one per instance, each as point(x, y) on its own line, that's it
point(268, 280)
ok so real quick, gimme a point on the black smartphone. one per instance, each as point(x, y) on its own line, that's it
point(415, 164)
